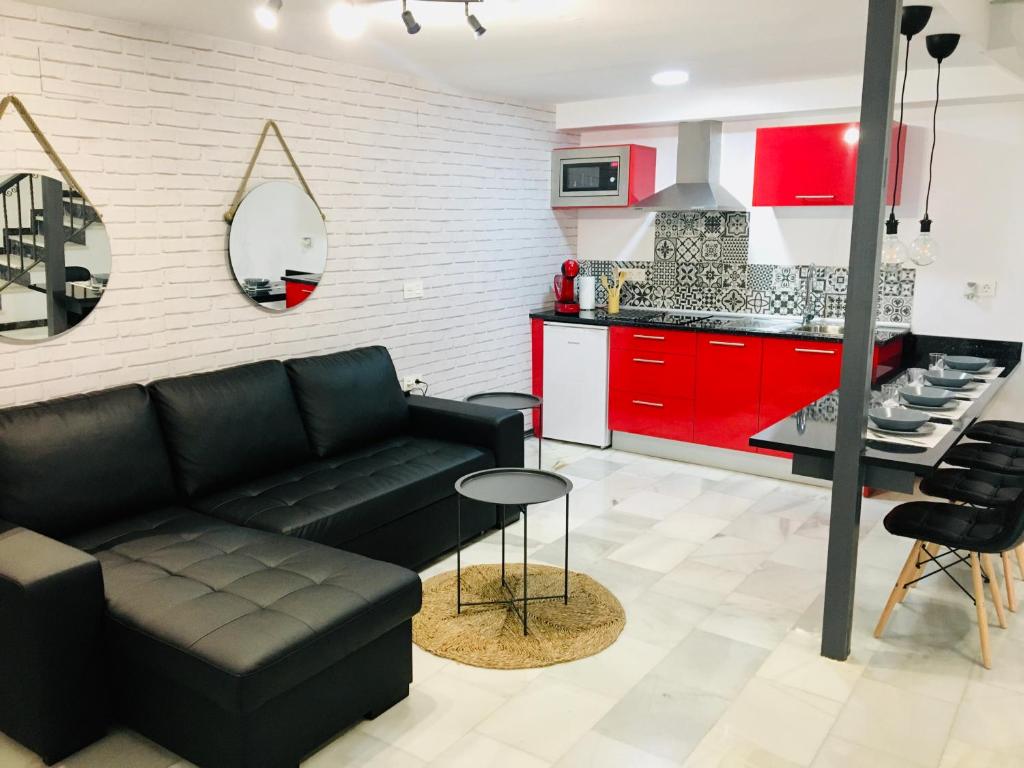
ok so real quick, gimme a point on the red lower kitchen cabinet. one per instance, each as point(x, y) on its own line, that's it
point(887, 358)
point(795, 373)
point(728, 390)
point(652, 376)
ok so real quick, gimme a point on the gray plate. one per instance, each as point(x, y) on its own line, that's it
point(926, 396)
point(968, 363)
point(959, 380)
point(897, 419)
point(925, 429)
point(947, 407)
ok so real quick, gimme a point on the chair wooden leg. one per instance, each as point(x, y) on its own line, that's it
point(933, 550)
point(1020, 560)
point(910, 568)
point(993, 587)
point(1011, 589)
point(979, 603)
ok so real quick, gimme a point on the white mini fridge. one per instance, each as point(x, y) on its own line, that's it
point(576, 384)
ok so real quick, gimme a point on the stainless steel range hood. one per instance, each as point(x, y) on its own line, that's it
point(698, 159)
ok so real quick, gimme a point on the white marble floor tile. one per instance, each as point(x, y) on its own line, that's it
point(751, 620)
point(905, 725)
point(474, 750)
point(698, 583)
point(724, 747)
point(784, 722)
point(614, 670)
point(792, 587)
point(797, 663)
point(840, 753)
point(720, 505)
point(962, 754)
point(660, 620)
point(711, 663)
point(731, 554)
point(690, 527)
point(595, 750)
point(357, 748)
point(650, 504)
point(547, 718)
point(653, 551)
point(436, 714)
point(983, 720)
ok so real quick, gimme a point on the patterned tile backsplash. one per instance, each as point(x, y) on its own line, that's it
point(701, 263)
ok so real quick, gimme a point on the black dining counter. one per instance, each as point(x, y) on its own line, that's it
point(810, 433)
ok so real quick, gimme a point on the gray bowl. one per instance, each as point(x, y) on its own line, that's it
point(899, 419)
point(948, 379)
point(929, 397)
point(967, 363)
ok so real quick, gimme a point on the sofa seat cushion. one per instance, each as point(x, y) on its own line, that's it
point(334, 500)
point(237, 614)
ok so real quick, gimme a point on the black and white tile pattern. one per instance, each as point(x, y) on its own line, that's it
point(701, 262)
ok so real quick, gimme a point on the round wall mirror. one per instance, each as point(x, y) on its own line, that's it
point(278, 245)
point(54, 257)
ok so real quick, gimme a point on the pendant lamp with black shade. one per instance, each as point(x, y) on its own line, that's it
point(894, 252)
point(924, 250)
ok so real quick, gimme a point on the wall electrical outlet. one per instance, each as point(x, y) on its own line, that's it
point(409, 382)
point(986, 289)
point(635, 275)
point(413, 289)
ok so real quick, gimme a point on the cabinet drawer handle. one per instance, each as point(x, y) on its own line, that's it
point(649, 404)
point(815, 197)
point(815, 351)
point(727, 343)
point(646, 336)
point(645, 360)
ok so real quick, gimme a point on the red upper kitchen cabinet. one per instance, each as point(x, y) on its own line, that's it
point(814, 164)
point(728, 390)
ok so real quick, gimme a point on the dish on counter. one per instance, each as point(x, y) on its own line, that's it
point(968, 363)
point(897, 419)
point(926, 396)
point(925, 429)
point(949, 379)
point(951, 406)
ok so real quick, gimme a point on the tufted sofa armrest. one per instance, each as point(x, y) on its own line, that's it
point(52, 696)
point(496, 429)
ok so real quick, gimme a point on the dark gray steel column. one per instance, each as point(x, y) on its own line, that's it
point(53, 239)
point(858, 345)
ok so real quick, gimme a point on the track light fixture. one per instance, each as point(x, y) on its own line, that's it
point(411, 25)
point(474, 24)
point(267, 13)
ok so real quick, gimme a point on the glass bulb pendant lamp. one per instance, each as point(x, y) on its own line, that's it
point(924, 251)
point(894, 250)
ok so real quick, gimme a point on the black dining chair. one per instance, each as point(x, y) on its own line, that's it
point(969, 535)
point(980, 488)
point(998, 432)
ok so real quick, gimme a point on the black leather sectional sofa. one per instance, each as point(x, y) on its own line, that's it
point(220, 561)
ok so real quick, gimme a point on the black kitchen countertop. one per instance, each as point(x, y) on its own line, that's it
point(708, 322)
point(811, 431)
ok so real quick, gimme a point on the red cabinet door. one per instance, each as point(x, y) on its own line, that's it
point(728, 390)
point(653, 415)
point(813, 165)
point(645, 372)
point(795, 374)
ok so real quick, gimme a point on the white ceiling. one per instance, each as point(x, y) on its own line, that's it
point(551, 51)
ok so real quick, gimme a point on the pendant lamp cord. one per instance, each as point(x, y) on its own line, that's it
point(899, 138)
point(935, 123)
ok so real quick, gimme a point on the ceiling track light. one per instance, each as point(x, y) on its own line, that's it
point(411, 25)
point(478, 29)
point(267, 13)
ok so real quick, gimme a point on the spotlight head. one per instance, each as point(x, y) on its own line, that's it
point(942, 46)
point(267, 13)
point(411, 25)
point(476, 26)
point(915, 19)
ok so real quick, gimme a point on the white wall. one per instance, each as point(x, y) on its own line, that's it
point(416, 181)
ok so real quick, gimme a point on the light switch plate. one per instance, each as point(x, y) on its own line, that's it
point(986, 289)
point(413, 289)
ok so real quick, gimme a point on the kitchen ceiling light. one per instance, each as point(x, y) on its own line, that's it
point(924, 249)
point(478, 29)
point(411, 25)
point(671, 77)
point(266, 14)
point(914, 19)
point(347, 21)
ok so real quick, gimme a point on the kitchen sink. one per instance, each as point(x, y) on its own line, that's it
point(828, 329)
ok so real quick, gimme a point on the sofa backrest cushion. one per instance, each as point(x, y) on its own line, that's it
point(348, 398)
point(73, 464)
point(229, 426)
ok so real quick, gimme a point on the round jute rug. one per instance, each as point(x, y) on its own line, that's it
point(492, 636)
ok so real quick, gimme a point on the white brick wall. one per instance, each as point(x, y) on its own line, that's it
point(417, 182)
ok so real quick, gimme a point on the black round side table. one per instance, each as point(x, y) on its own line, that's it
point(512, 486)
point(515, 401)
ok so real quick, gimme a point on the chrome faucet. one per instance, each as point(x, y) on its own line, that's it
point(810, 305)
